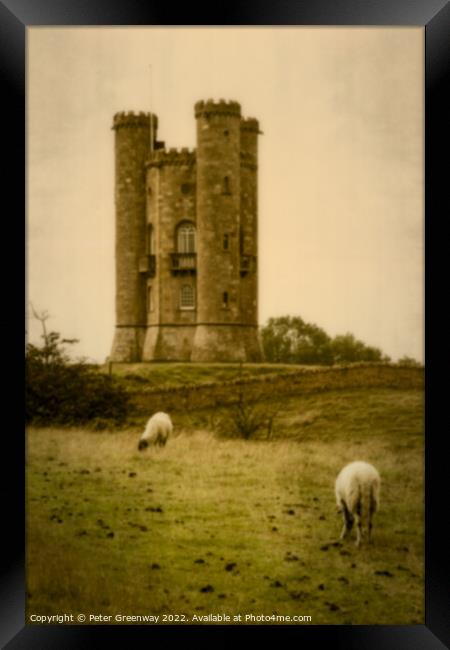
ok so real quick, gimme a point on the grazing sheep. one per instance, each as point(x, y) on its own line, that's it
point(357, 496)
point(158, 429)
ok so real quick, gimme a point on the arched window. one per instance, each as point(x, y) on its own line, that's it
point(186, 238)
point(225, 299)
point(150, 243)
point(187, 297)
point(226, 185)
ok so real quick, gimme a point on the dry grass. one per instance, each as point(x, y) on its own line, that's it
point(253, 520)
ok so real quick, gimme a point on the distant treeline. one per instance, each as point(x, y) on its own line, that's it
point(288, 339)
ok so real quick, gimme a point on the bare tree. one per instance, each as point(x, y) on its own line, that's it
point(51, 339)
point(43, 317)
point(248, 415)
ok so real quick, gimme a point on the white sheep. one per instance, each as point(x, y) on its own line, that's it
point(357, 491)
point(158, 429)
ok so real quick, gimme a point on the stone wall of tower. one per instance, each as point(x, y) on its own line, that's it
point(171, 201)
point(249, 238)
point(153, 280)
point(218, 333)
point(213, 188)
point(132, 143)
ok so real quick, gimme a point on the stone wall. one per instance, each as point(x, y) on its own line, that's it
point(275, 388)
point(171, 188)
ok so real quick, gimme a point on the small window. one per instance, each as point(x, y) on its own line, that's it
point(225, 299)
point(226, 185)
point(226, 241)
point(187, 297)
point(226, 133)
point(149, 191)
point(186, 188)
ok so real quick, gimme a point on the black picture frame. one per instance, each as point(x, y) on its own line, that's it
point(434, 16)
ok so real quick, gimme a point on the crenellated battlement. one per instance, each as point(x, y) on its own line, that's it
point(172, 156)
point(220, 107)
point(250, 124)
point(134, 119)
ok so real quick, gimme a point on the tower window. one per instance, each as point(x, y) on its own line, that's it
point(186, 188)
point(226, 132)
point(225, 299)
point(187, 297)
point(186, 238)
point(226, 185)
point(226, 241)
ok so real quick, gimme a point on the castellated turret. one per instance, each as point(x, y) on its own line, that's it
point(186, 240)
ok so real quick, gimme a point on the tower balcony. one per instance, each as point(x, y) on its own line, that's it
point(183, 263)
point(247, 264)
point(147, 265)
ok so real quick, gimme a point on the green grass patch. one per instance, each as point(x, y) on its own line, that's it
point(171, 375)
point(210, 524)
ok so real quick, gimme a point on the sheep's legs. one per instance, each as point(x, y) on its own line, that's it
point(348, 521)
point(373, 505)
point(358, 530)
point(358, 519)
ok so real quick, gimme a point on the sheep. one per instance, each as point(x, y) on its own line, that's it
point(357, 491)
point(158, 429)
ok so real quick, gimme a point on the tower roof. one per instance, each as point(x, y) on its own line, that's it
point(250, 124)
point(220, 107)
point(134, 119)
point(171, 156)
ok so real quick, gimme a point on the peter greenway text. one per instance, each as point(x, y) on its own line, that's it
point(166, 618)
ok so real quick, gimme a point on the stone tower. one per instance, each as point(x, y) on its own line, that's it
point(186, 240)
point(132, 138)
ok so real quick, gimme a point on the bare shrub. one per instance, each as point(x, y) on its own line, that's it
point(246, 417)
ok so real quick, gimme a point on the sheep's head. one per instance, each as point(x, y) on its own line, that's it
point(143, 444)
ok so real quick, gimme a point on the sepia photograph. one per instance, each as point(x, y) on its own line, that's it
point(225, 325)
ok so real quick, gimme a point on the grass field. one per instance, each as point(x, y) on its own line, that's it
point(164, 375)
point(216, 525)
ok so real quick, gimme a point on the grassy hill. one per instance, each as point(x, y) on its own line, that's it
point(217, 524)
point(187, 388)
point(169, 376)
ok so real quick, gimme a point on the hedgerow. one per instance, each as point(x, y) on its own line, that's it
point(59, 391)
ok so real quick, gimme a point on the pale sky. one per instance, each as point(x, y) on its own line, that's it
point(341, 167)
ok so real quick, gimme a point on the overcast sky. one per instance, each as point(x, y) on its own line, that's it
point(341, 167)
